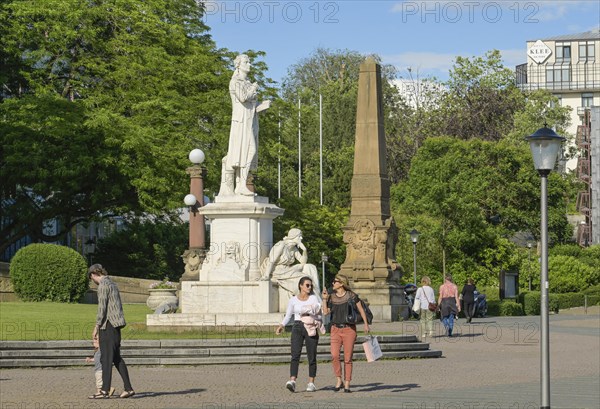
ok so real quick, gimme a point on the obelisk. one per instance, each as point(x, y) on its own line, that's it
point(370, 233)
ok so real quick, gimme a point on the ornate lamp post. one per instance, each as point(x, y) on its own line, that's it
point(194, 256)
point(414, 236)
point(545, 145)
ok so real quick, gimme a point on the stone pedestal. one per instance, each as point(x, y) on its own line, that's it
point(228, 290)
point(386, 301)
point(241, 235)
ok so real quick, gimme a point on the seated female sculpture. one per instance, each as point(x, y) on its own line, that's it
point(280, 263)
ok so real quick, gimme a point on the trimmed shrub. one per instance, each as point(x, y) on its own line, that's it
point(49, 272)
point(531, 303)
point(493, 308)
point(510, 308)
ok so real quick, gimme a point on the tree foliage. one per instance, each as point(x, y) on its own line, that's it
point(101, 102)
point(334, 76)
point(145, 249)
point(475, 196)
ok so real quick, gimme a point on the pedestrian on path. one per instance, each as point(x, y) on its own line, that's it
point(96, 360)
point(449, 303)
point(109, 321)
point(306, 309)
point(342, 332)
point(425, 295)
point(468, 299)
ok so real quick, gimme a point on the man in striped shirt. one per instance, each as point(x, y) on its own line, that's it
point(109, 321)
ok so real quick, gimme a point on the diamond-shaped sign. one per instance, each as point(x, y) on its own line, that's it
point(539, 52)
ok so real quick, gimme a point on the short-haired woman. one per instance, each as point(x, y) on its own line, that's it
point(342, 332)
point(304, 304)
point(426, 295)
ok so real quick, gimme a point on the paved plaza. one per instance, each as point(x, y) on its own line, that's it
point(492, 363)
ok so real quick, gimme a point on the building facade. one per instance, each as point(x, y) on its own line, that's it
point(569, 67)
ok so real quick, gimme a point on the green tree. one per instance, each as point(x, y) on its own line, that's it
point(321, 228)
point(145, 249)
point(334, 76)
point(475, 196)
point(100, 104)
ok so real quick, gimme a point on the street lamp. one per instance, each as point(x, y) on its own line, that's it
point(414, 236)
point(195, 200)
point(324, 259)
point(545, 145)
point(529, 265)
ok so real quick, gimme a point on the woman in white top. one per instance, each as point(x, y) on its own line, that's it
point(424, 296)
point(305, 303)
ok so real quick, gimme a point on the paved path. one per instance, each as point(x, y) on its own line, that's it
point(493, 363)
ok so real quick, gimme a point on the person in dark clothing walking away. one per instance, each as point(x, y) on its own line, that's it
point(109, 321)
point(468, 299)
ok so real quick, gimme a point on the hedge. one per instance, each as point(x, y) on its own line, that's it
point(49, 272)
point(510, 308)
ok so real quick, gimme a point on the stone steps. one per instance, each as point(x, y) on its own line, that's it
point(194, 351)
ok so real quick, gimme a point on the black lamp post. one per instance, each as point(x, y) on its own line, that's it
point(414, 236)
point(545, 145)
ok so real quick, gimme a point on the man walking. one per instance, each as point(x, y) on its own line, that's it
point(109, 321)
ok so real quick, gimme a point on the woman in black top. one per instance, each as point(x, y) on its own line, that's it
point(468, 299)
point(342, 333)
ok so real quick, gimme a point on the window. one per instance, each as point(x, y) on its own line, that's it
point(587, 99)
point(563, 52)
point(587, 51)
point(556, 103)
point(558, 74)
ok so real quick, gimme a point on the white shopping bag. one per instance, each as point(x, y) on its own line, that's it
point(372, 349)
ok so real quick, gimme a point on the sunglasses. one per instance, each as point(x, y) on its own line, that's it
point(308, 285)
point(336, 281)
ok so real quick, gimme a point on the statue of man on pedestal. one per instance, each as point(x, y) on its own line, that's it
point(243, 136)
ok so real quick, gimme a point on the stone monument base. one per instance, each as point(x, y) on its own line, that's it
point(223, 303)
point(228, 297)
point(386, 301)
point(175, 322)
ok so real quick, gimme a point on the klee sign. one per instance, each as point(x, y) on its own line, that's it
point(539, 52)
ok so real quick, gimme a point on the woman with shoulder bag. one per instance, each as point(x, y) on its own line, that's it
point(306, 309)
point(426, 297)
point(342, 332)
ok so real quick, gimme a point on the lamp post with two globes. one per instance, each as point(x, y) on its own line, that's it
point(544, 144)
point(194, 255)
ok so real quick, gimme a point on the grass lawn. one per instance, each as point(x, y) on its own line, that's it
point(47, 321)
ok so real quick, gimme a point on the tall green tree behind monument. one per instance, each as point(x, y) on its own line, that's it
point(101, 101)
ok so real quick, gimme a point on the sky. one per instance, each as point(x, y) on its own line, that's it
point(425, 36)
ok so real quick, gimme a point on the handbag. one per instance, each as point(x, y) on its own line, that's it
point(372, 349)
point(354, 317)
point(432, 306)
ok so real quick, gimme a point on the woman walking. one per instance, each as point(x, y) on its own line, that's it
point(305, 306)
point(342, 332)
point(449, 303)
point(468, 299)
point(424, 296)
